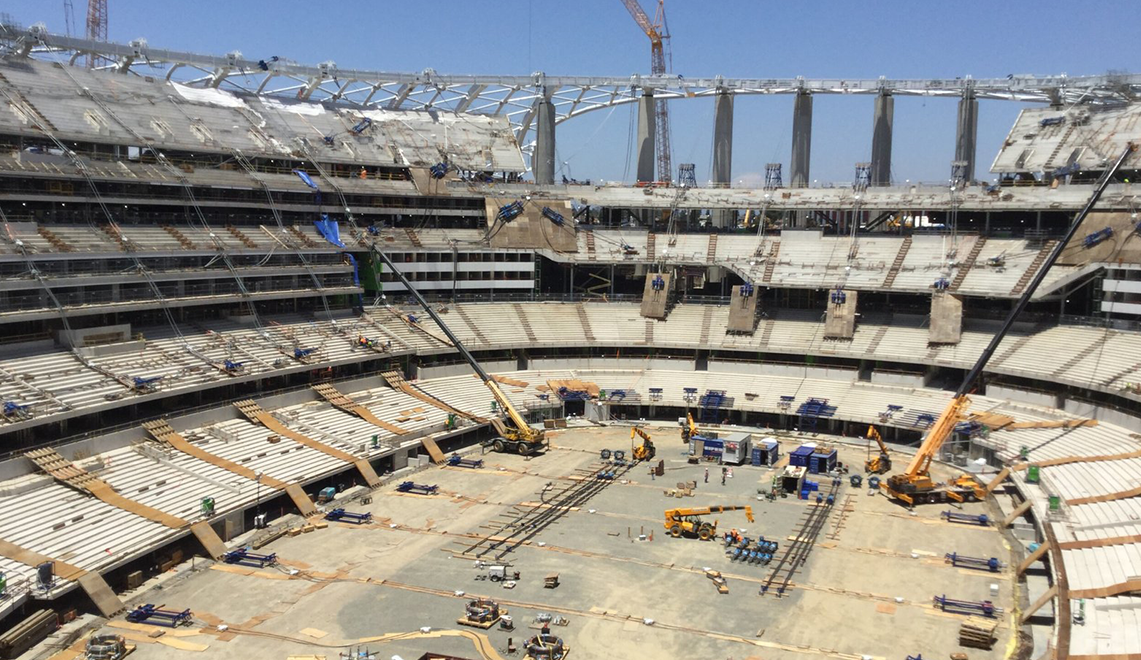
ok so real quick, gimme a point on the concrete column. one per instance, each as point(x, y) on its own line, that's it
point(722, 139)
point(967, 133)
point(647, 129)
point(882, 116)
point(801, 140)
point(543, 160)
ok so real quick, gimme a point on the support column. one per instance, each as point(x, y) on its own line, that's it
point(722, 139)
point(801, 140)
point(967, 133)
point(543, 160)
point(647, 128)
point(723, 152)
point(882, 116)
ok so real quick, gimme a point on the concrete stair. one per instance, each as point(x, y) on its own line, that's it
point(904, 247)
point(967, 264)
point(1044, 252)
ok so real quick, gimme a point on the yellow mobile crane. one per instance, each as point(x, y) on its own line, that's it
point(688, 522)
point(645, 451)
point(915, 484)
point(515, 434)
point(881, 463)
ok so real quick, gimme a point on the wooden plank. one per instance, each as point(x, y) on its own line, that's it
point(300, 499)
point(181, 444)
point(101, 594)
point(998, 479)
point(366, 415)
point(1032, 557)
point(209, 539)
point(1100, 543)
point(105, 493)
point(1018, 511)
point(364, 467)
point(433, 449)
point(1042, 600)
point(33, 558)
point(1129, 586)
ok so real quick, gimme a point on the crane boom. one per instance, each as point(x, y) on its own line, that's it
point(643, 20)
point(658, 32)
point(915, 478)
point(521, 428)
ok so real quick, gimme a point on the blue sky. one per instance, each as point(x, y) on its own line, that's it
point(893, 38)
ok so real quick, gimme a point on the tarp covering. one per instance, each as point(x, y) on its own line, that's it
point(330, 230)
point(305, 177)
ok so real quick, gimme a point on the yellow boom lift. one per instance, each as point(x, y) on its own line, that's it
point(689, 428)
point(515, 434)
point(688, 522)
point(645, 451)
point(881, 463)
point(914, 485)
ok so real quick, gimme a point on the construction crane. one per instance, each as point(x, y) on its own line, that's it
point(515, 434)
point(645, 451)
point(661, 61)
point(688, 427)
point(881, 463)
point(96, 25)
point(688, 522)
point(914, 485)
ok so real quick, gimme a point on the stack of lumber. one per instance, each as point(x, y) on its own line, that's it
point(977, 632)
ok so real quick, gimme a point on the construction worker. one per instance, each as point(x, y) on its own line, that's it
point(723, 471)
point(706, 475)
point(363, 173)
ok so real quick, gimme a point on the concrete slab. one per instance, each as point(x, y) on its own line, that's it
point(531, 230)
point(840, 317)
point(946, 319)
point(742, 312)
point(655, 302)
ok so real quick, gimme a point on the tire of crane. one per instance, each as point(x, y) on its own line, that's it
point(705, 532)
point(675, 531)
point(524, 449)
point(498, 445)
point(604, 454)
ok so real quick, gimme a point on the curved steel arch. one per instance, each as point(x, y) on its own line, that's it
point(515, 96)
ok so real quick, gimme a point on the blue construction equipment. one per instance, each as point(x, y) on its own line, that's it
point(747, 290)
point(856, 480)
point(554, 216)
point(1097, 237)
point(327, 494)
point(924, 420)
point(231, 367)
point(302, 353)
point(373, 230)
point(413, 319)
point(438, 171)
point(1067, 170)
point(154, 615)
point(969, 607)
point(658, 283)
point(418, 489)
point(874, 483)
point(1052, 121)
point(340, 515)
point(244, 557)
point(361, 126)
point(978, 563)
point(510, 211)
point(967, 518)
point(146, 383)
point(455, 460)
point(710, 402)
point(838, 296)
point(13, 410)
point(942, 284)
point(811, 411)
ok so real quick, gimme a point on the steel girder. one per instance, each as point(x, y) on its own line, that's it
point(515, 96)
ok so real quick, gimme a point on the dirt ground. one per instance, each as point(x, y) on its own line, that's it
point(627, 589)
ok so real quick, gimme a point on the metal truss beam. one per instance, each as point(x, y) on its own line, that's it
point(515, 96)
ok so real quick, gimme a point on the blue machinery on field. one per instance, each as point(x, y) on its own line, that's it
point(243, 557)
point(968, 607)
point(978, 563)
point(154, 615)
point(340, 515)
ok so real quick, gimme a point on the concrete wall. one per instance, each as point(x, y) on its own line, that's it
point(794, 370)
point(1109, 415)
point(462, 369)
point(613, 363)
point(896, 378)
point(1014, 394)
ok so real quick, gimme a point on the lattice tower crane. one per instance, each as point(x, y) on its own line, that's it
point(96, 25)
point(661, 61)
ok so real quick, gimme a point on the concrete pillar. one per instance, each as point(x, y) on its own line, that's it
point(801, 140)
point(967, 133)
point(722, 139)
point(882, 115)
point(647, 129)
point(543, 160)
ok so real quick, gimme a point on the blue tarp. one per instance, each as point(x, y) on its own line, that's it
point(330, 230)
point(305, 177)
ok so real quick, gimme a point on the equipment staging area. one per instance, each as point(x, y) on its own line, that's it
point(626, 588)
